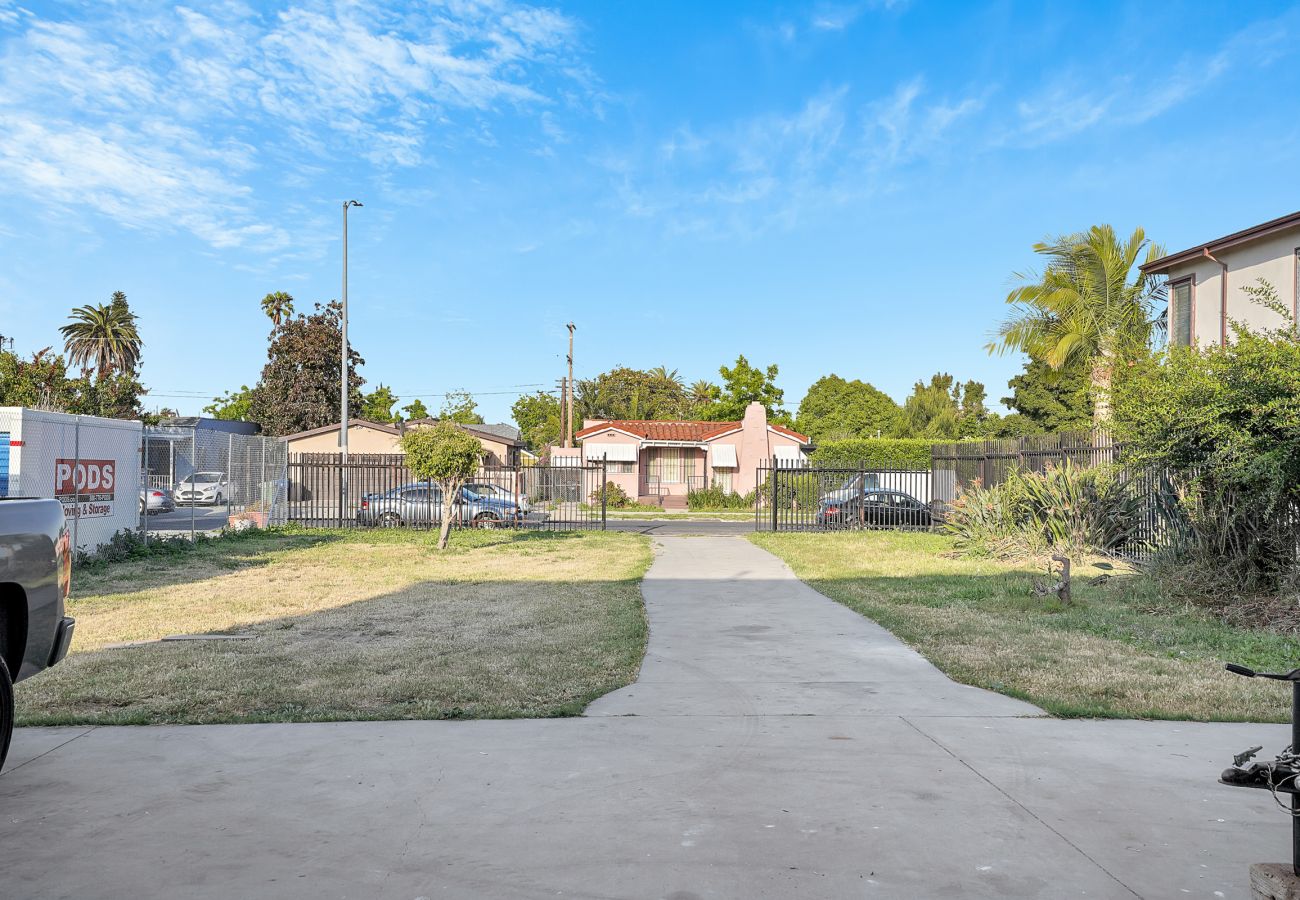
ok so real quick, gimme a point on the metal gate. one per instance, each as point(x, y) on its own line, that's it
point(379, 491)
point(803, 498)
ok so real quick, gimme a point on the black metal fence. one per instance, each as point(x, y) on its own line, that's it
point(379, 491)
point(799, 497)
point(959, 466)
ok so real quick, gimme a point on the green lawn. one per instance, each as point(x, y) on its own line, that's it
point(351, 625)
point(1121, 651)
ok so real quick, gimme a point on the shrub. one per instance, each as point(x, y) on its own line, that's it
point(912, 454)
point(1063, 510)
point(615, 496)
point(1222, 426)
point(715, 497)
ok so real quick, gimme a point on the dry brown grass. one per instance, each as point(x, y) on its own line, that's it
point(353, 626)
point(1123, 651)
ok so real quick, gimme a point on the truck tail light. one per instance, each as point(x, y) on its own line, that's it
point(63, 558)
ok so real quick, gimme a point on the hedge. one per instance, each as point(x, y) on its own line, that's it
point(910, 454)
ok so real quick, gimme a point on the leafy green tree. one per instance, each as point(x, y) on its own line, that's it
point(663, 373)
point(416, 410)
point(624, 393)
point(459, 407)
point(538, 418)
point(103, 338)
point(1051, 399)
point(233, 406)
point(743, 384)
point(41, 382)
point(377, 406)
point(1091, 307)
point(835, 409)
point(299, 388)
point(446, 456)
point(933, 410)
point(946, 410)
point(278, 306)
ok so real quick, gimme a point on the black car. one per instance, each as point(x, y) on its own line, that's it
point(874, 509)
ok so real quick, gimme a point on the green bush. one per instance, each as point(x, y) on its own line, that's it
point(615, 497)
point(1222, 426)
point(716, 498)
point(1065, 510)
point(911, 454)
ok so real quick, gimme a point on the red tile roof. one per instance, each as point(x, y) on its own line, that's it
point(650, 430)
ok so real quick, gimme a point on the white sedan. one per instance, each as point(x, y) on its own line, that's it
point(204, 487)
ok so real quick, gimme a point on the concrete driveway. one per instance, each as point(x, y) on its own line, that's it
point(777, 745)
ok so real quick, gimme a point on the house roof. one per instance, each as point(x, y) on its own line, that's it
point(352, 423)
point(1162, 265)
point(698, 432)
point(501, 433)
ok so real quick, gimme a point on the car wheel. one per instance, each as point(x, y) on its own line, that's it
point(6, 711)
point(217, 500)
point(389, 520)
point(485, 520)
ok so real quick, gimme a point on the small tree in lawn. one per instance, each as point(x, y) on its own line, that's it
point(446, 456)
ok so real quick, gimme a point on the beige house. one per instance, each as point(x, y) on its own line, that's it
point(1206, 281)
point(501, 444)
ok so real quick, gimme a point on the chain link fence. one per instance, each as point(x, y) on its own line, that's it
point(196, 479)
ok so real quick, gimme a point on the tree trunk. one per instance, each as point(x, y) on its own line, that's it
point(1100, 377)
point(448, 507)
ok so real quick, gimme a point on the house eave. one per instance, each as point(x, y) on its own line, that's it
point(1162, 265)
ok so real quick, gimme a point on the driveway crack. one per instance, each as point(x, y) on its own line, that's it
point(52, 749)
point(1029, 812)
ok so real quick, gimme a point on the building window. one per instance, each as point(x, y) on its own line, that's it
point(1180, 313)
point(667, 465)
point(620, 468)
point(722, 480)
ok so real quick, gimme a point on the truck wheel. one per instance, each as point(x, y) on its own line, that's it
point(6, 711)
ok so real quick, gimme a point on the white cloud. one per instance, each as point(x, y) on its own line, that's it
point(771, 170)
point(157, 115)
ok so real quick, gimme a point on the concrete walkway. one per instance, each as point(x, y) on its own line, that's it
point(777, 745)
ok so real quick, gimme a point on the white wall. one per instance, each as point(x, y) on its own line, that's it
point(106, 496)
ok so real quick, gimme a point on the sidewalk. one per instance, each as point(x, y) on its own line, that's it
point(777, 745)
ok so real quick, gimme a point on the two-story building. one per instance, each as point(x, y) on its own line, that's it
point(1206, 281)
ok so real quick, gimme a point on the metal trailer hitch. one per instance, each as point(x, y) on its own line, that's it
point(1278, 775)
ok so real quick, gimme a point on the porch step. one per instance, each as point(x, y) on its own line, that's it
point(667, 501)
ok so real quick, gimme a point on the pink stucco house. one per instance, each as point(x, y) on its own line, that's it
point(658, 462)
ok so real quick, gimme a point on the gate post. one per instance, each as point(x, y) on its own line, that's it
point(775, 471)
point(604, 494)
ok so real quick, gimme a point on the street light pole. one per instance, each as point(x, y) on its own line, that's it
point(343, 372)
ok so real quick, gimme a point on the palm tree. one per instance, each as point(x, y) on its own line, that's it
point(663, 373)
point(103, 338)
point(702, 391)
point(278, 306)
point(1090, 307)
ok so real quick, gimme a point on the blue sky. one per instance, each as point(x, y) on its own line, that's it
point(833, 187)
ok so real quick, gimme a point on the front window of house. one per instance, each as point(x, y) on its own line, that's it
point(620, 468)
point(1180, 313)
point(668, 465)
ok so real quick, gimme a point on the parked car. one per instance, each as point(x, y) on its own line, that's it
point(874, 509)
point(204, 487)
point(421, 504)
point(853, 488)
point(155, 500)
point(35, 577)
point(496, 491)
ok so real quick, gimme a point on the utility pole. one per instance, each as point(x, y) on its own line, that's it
point(568, 430)
point(343, 373)
point(564, 408)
